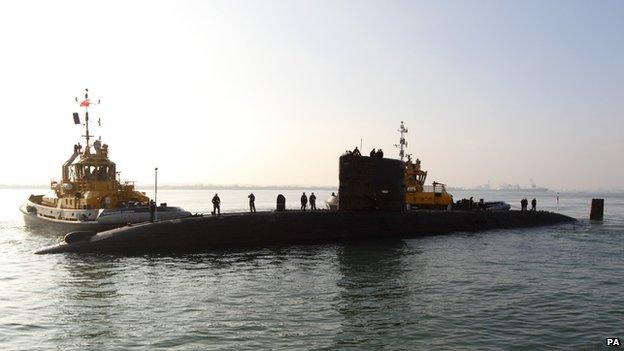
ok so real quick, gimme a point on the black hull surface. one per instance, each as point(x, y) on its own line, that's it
point(294, 227)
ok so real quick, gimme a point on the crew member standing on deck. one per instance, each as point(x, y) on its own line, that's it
point(373, 153)
point(252, 203)
point(152, 209)
point(312, 202)
point(533, 204)
point(304, 201)
point(216, 204)
point(524, 203)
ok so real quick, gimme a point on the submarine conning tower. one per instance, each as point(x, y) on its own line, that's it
point(371, 184)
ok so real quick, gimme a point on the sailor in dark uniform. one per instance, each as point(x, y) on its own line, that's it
point(252, 203)
point(216, 204)
point(152, 209)
point(312, 202)
point(304, 202)
point(524, 204)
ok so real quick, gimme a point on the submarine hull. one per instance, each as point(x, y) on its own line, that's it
point(295, 227)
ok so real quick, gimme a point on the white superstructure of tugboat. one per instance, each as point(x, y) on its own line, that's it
point(89, 194)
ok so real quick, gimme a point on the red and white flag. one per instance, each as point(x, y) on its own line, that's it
point(85, 103)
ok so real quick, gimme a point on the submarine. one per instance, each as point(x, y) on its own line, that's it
point(372, 205)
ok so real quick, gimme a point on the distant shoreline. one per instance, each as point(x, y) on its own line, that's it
point(198, 187)
point(237, 187)
point(597, 192)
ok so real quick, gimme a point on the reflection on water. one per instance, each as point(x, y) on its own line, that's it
point(90, 285)
point(374, 292)
point(43, 229)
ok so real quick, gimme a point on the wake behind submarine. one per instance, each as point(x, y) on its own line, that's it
point(372, 204)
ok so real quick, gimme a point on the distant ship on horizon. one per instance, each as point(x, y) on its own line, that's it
point(516, 187)
point(512, 187)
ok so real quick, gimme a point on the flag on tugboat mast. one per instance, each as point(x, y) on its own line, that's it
point(85, 103)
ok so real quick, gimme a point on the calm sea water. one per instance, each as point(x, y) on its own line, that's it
point(558, 287)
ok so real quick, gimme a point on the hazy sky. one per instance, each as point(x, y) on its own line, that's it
point(266, 92)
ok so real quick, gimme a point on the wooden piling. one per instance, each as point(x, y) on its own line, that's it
point(597, 210)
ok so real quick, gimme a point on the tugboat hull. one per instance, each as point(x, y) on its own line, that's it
point(96, 220)
point(40, 219)
point(60, 227)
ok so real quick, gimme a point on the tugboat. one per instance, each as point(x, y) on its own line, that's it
point(89, 195)
point(417, 194)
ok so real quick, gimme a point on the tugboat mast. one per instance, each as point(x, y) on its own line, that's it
point(402, 143)
point(85, 103)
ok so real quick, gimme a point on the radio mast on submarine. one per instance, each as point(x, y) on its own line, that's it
point(402, 143)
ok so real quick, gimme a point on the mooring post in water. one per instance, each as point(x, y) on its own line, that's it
point(597, 209)
point(156, 193)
